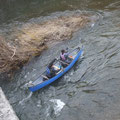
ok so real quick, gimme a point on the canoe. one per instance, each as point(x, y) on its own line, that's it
point(40, 82)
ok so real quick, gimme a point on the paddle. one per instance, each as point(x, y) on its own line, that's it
point(63, 62)
point(45, 77)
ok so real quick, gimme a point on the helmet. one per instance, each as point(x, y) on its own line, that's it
point(62, 51)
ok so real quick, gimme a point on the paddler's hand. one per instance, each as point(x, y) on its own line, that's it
point(56, 58)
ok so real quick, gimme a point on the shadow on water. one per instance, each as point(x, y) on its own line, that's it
point(89, 91)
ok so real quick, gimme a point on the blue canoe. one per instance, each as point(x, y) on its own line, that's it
point(40, 83)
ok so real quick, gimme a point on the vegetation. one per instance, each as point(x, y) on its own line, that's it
point(31, 39)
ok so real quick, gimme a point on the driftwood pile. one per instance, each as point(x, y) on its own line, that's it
point(30, 40)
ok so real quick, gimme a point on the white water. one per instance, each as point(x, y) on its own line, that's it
point(57, 105)
point(25, 99)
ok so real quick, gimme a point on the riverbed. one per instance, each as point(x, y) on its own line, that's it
point(89, 91)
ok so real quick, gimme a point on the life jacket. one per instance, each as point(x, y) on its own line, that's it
point(48, 71)
point(62, 56)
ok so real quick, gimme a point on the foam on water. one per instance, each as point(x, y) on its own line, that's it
point(57, 105)
point(25, 99)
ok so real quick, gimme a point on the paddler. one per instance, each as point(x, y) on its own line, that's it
point(64, 56)
point(50, 71)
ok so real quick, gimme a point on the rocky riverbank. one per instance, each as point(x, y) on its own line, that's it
point(31, 39)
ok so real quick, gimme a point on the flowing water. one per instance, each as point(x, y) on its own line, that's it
point(89, 91)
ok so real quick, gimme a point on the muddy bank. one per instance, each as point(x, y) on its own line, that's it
point(30, 40)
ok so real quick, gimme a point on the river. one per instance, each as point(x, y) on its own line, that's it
point(89, 91)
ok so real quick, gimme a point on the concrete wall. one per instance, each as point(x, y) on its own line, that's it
point(6, 110)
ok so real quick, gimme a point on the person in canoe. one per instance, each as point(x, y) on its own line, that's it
point(64, 56)
point(50, 71)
